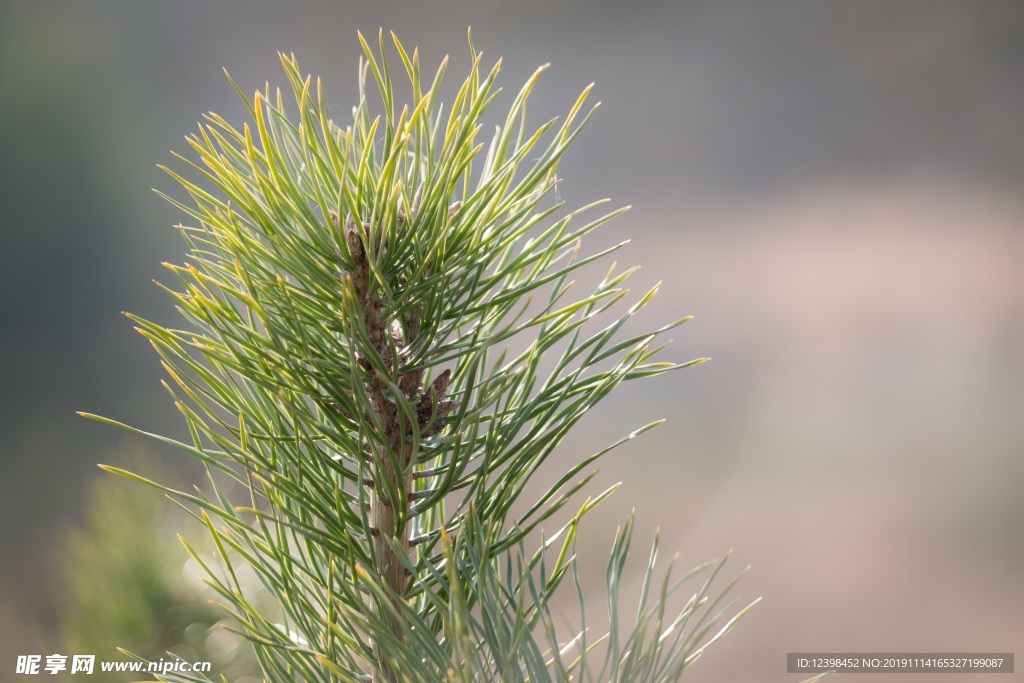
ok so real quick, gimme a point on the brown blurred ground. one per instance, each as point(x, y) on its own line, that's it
point(863, 446)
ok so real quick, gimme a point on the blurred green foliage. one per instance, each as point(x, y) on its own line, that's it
point(129, 586)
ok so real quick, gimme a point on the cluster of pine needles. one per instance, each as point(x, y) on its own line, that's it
point(382, 350)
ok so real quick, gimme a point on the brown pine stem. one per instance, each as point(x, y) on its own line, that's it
point(384, 518)
point(394, 457)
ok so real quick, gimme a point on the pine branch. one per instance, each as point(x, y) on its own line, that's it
point(352, 297)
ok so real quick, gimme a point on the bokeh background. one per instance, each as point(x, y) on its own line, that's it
point(833, 189)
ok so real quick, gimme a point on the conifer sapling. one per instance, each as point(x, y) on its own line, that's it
point(381, 350)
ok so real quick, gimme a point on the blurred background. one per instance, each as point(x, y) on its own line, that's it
point(833, 189)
